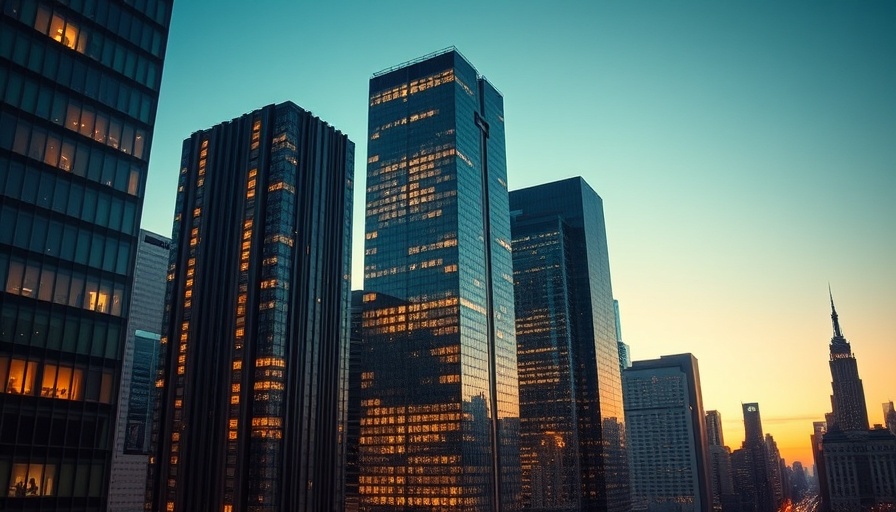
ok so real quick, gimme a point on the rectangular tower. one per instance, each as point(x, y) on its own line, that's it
point(135, 401)
point(573, 433)
point(439, 409)
point(79, 85)
point(255, 340)
point(668, 446)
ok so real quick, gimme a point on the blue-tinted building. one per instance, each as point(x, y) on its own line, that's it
point(255, 340)
point(439, 411)
point(573, 425)
point(79, 85)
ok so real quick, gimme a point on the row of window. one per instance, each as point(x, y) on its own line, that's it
point(62, 286)
point(68, 479)
point(76, 333)
point(92, 43)
point(64, 153)
point(71, 243)
point(48, 380)
point(96, 84)
point(89, 122)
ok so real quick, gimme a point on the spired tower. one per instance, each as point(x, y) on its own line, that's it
point(848, 399)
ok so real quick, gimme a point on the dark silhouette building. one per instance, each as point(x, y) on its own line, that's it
point(859, 464)
point(255, 341)
point(750, 466)
point(79, 86)
point(439, 407)
point(625, 358)
point(720, 465)
point(848, 398)
point(572, 421)
point(667, 438)
point(136, 399)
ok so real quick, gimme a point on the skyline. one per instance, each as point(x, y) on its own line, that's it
point(774, 226)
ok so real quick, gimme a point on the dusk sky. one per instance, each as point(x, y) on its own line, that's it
point(745, 153)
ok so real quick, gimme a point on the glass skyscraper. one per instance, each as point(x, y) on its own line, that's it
point(439, 412)
point(79, 85)
point(573, 425)
point(255, 340)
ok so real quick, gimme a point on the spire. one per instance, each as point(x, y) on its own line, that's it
point(834, 319)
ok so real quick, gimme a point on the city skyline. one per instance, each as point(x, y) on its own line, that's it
point(744, 155)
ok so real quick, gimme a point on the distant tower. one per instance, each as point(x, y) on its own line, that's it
point(750, 465)
point(890, 417)
point(719, 463)
point(625, 354)
point(667, 441)
point(848, 400)
point(714, 428)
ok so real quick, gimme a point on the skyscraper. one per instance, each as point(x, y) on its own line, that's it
point(439, 406)
point(889, 416)
point(859, 464)
point(573, 433)
point(750, 466)
point(135, 401)
point(255, 339)
point(79, 85)
point(719, 464)
point(848, 399)
point(667, 440)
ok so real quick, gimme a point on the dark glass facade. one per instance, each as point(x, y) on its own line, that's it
point(667, 436)
point(573, 426)
point(135, 395)
point(79, 84)
point(439, 413)
point(255, 339)
point(752, 480)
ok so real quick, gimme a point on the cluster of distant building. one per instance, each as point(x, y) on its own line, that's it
point(231, 367)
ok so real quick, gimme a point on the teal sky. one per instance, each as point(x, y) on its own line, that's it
point(745, 153)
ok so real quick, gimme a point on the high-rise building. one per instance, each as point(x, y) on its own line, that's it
point(625, 357)
point(79, 85)
point(667, 440)
point(859, 464)
point(848, 399)
point(135, 401)
point(439, 409)
point(719, 464)
point(572, 433)
point(752, 480)
point(890, 416)
point(353, 405)
point(819, 429)
point(776, 470)
point(255, 338)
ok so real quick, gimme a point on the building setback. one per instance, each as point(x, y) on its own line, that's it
point(135, 400)
point(667, 438)
point(254, 345)
point(439, 412)
point(79, 85)
point(572, 419)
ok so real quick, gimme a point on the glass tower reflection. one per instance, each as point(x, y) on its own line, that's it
point(439, 411)
point(573, 429)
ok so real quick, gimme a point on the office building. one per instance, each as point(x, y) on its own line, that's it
point(135, 395)
point(572, 420)
point(667, 438)
point(752, 481)
point(889, 416)
point(439, 406)
point(848, 398)
point(255, 339)
point(79, 85)
point(719, 464)
point(819, 429)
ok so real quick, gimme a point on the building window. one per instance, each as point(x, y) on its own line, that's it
point(32, 480)
point(19, 378)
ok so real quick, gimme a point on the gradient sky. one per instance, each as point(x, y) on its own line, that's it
point(745, 153)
